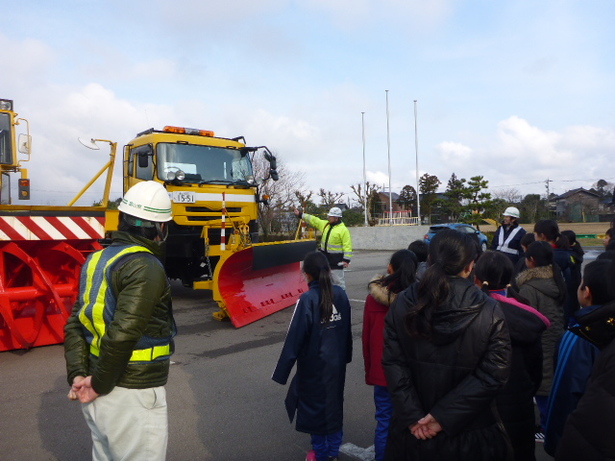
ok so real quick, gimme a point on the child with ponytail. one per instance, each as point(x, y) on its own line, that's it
point(319, 341)
point(493, 273)
point(401, 273)
point(446, 357)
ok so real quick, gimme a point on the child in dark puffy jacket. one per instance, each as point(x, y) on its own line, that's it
point(493, 273)
point(542, 284)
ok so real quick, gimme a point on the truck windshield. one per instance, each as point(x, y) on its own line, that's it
point(6, 149)
point(203, 164)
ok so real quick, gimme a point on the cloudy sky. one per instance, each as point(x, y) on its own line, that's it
point(519, 92)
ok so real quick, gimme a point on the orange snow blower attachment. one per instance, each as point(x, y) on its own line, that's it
point(42, 248)
point(39, 274)
point(260, 280)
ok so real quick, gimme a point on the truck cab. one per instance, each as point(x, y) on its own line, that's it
point(9, 161)
point(211, 183)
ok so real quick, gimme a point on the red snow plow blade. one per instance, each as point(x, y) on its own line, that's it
point(262, 279)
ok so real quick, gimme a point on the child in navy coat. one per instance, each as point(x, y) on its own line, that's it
point(319, 340)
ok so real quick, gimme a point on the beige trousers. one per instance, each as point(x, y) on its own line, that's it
point(129, 425)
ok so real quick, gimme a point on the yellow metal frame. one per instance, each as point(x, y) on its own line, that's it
point(107, 167)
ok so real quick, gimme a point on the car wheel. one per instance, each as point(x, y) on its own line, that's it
point(483, 247)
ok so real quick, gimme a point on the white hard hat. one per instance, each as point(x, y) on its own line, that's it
point(147, 200)
point(335, 212)
point(511, 211)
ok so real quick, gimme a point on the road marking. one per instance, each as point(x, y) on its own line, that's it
point(363, 454)
point(357, 300)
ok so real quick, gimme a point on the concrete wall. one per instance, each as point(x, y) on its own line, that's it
point(385, 237)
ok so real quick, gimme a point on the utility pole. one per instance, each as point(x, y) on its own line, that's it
point(389, 157)
point(364, 177)
point(416, 148)
point(547, 186)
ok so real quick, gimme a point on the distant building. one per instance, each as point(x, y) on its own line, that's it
point(580, 205)
point(383, 197)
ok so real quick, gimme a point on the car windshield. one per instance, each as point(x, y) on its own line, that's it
point(203, 164)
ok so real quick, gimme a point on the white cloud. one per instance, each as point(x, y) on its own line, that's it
point(455, 153)
point(524, 156)
point(378, 178)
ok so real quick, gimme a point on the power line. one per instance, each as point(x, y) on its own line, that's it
point(550, 180)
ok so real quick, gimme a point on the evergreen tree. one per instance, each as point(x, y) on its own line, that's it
point(407, 198)
point(428, 186)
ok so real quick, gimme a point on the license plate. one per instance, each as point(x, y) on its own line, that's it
point(183, 197)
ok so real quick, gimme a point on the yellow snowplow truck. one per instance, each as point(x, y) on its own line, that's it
point(213, 238)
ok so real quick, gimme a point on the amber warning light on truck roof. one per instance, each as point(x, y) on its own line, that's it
point(182, 130)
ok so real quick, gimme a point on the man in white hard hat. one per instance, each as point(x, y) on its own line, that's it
point(119, 338)
point(335, 243)
point(507, 238)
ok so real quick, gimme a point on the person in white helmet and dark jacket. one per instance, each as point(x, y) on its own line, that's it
point(119, 337)
point(507, 238)
point(335, 243)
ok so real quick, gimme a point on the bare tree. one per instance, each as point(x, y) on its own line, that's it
point(365, 195)
point(330, 199)
point(305, 200)
point(278, 198)
point(508, 195)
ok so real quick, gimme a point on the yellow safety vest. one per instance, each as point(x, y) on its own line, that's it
point(335, 239)
point(98, 304)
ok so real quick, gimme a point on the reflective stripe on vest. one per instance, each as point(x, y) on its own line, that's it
point(98, 301)
point(142, 355)
point(503, 244)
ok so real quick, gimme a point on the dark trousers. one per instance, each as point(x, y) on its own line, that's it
point(327, 446)
point(384, 410)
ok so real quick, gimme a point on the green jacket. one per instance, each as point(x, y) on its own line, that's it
point(336, 242)
point(143, 312)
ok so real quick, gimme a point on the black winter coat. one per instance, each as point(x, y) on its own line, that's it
point(566, 261)
point(515, 401)
point(321, 352)
point(455, 376)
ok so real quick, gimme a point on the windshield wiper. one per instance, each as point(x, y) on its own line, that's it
point(216, 181)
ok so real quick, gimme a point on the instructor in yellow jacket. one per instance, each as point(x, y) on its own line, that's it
point(335, 243)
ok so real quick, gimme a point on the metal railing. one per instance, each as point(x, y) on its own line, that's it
point(398, 221)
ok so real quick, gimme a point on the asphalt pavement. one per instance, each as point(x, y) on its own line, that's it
point(223, 405)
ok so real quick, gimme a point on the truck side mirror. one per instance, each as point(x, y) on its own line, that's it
point(273, 165)
point(25, 143)
point(143, 159)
